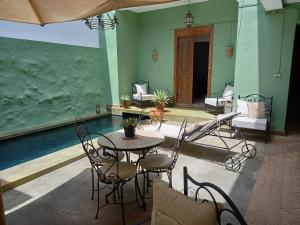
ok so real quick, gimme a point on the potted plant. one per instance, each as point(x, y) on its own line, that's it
point(129, 126)
point(160, 99)
point(125, 100)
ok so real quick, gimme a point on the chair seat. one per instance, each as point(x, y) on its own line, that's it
point(145, 97)
point(156, 162)
point(249, 123)
point(105, 158)
point(215, 101)
point(126, 170)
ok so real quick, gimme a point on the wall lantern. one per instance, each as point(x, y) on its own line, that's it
point(154, 55)
point(101, 22)
point(98, 109)
point(229, 48)
point(229, 51)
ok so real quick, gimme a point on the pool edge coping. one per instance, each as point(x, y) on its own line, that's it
point(21, 132)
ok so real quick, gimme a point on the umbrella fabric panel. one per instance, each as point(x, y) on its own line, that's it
point(53, 11)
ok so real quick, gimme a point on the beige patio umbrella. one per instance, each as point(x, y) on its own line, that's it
point(53, 11)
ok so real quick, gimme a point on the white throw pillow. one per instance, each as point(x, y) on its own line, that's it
point(242, 107)
point(141, 89)
point(228, 93)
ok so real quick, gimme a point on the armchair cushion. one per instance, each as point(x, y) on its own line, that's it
point(141, 89)
point(228, 93)
point(142, 97)
point(215, 101)
point(249, 123)
point(171, 207)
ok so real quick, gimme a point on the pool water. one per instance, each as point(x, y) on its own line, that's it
point(24, 148)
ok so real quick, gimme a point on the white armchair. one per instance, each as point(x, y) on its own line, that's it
point(216, 101)
point(142, 93)
point(255, 113)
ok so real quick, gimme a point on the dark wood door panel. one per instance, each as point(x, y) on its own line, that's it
point(185, 69)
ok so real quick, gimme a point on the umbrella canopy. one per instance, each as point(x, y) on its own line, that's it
point(54, 11)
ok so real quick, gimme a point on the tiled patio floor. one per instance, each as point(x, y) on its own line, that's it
point(63, 196)
point(276, 195)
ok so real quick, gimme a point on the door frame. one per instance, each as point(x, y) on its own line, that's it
point(192, 32)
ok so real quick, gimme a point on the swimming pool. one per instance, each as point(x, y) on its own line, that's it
point(24, 148)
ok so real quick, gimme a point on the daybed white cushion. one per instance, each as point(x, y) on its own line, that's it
point(214, 101)
point(171, 207)
point(228, 93)
point(249, 123)
point(147, 97)
point(242, 107)
point(141, 89)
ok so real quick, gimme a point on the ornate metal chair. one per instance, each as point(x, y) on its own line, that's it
point(99, 156)
point(114, 174)
point(171, 206)
point(142, 94)
point(162, 163)
point(245, 120)
point(216, 101)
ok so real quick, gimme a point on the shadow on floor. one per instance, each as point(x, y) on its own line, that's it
point(71, 203)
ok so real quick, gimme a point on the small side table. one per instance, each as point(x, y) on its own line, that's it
point(227, 107)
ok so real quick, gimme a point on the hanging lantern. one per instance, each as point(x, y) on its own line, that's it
point(188, 19)
point(102, 22)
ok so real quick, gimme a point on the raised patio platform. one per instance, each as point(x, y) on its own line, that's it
point(173, 114)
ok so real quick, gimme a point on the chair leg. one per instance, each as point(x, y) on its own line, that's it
point(144, 182)
point(169, 173)
point(98, 187)
point(148, 182)
point(266, 136)
point(136, 191)
point(93, 183)
point(122, 204)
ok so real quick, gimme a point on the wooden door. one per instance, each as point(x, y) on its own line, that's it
point(184, 73)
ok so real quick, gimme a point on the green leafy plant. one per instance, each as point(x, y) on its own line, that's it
point(125, 98)
point(161, 97)
point(130, 122)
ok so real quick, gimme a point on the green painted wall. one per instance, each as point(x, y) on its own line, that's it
point(42, 83)
point(156, 32)
point(127, 38)
point(264, 48)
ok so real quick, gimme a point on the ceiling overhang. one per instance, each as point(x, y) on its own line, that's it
point(270, 5)
point(163, 6)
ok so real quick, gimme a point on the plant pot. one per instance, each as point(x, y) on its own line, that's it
point(129, 132)
point(125, 104)
point(160, 107)
point(160, 115)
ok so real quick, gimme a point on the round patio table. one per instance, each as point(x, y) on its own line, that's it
point(143, 141)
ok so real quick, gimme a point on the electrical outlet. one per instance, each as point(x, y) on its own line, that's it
point(277, 75)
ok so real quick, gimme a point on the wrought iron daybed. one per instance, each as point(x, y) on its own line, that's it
point(212, 128)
